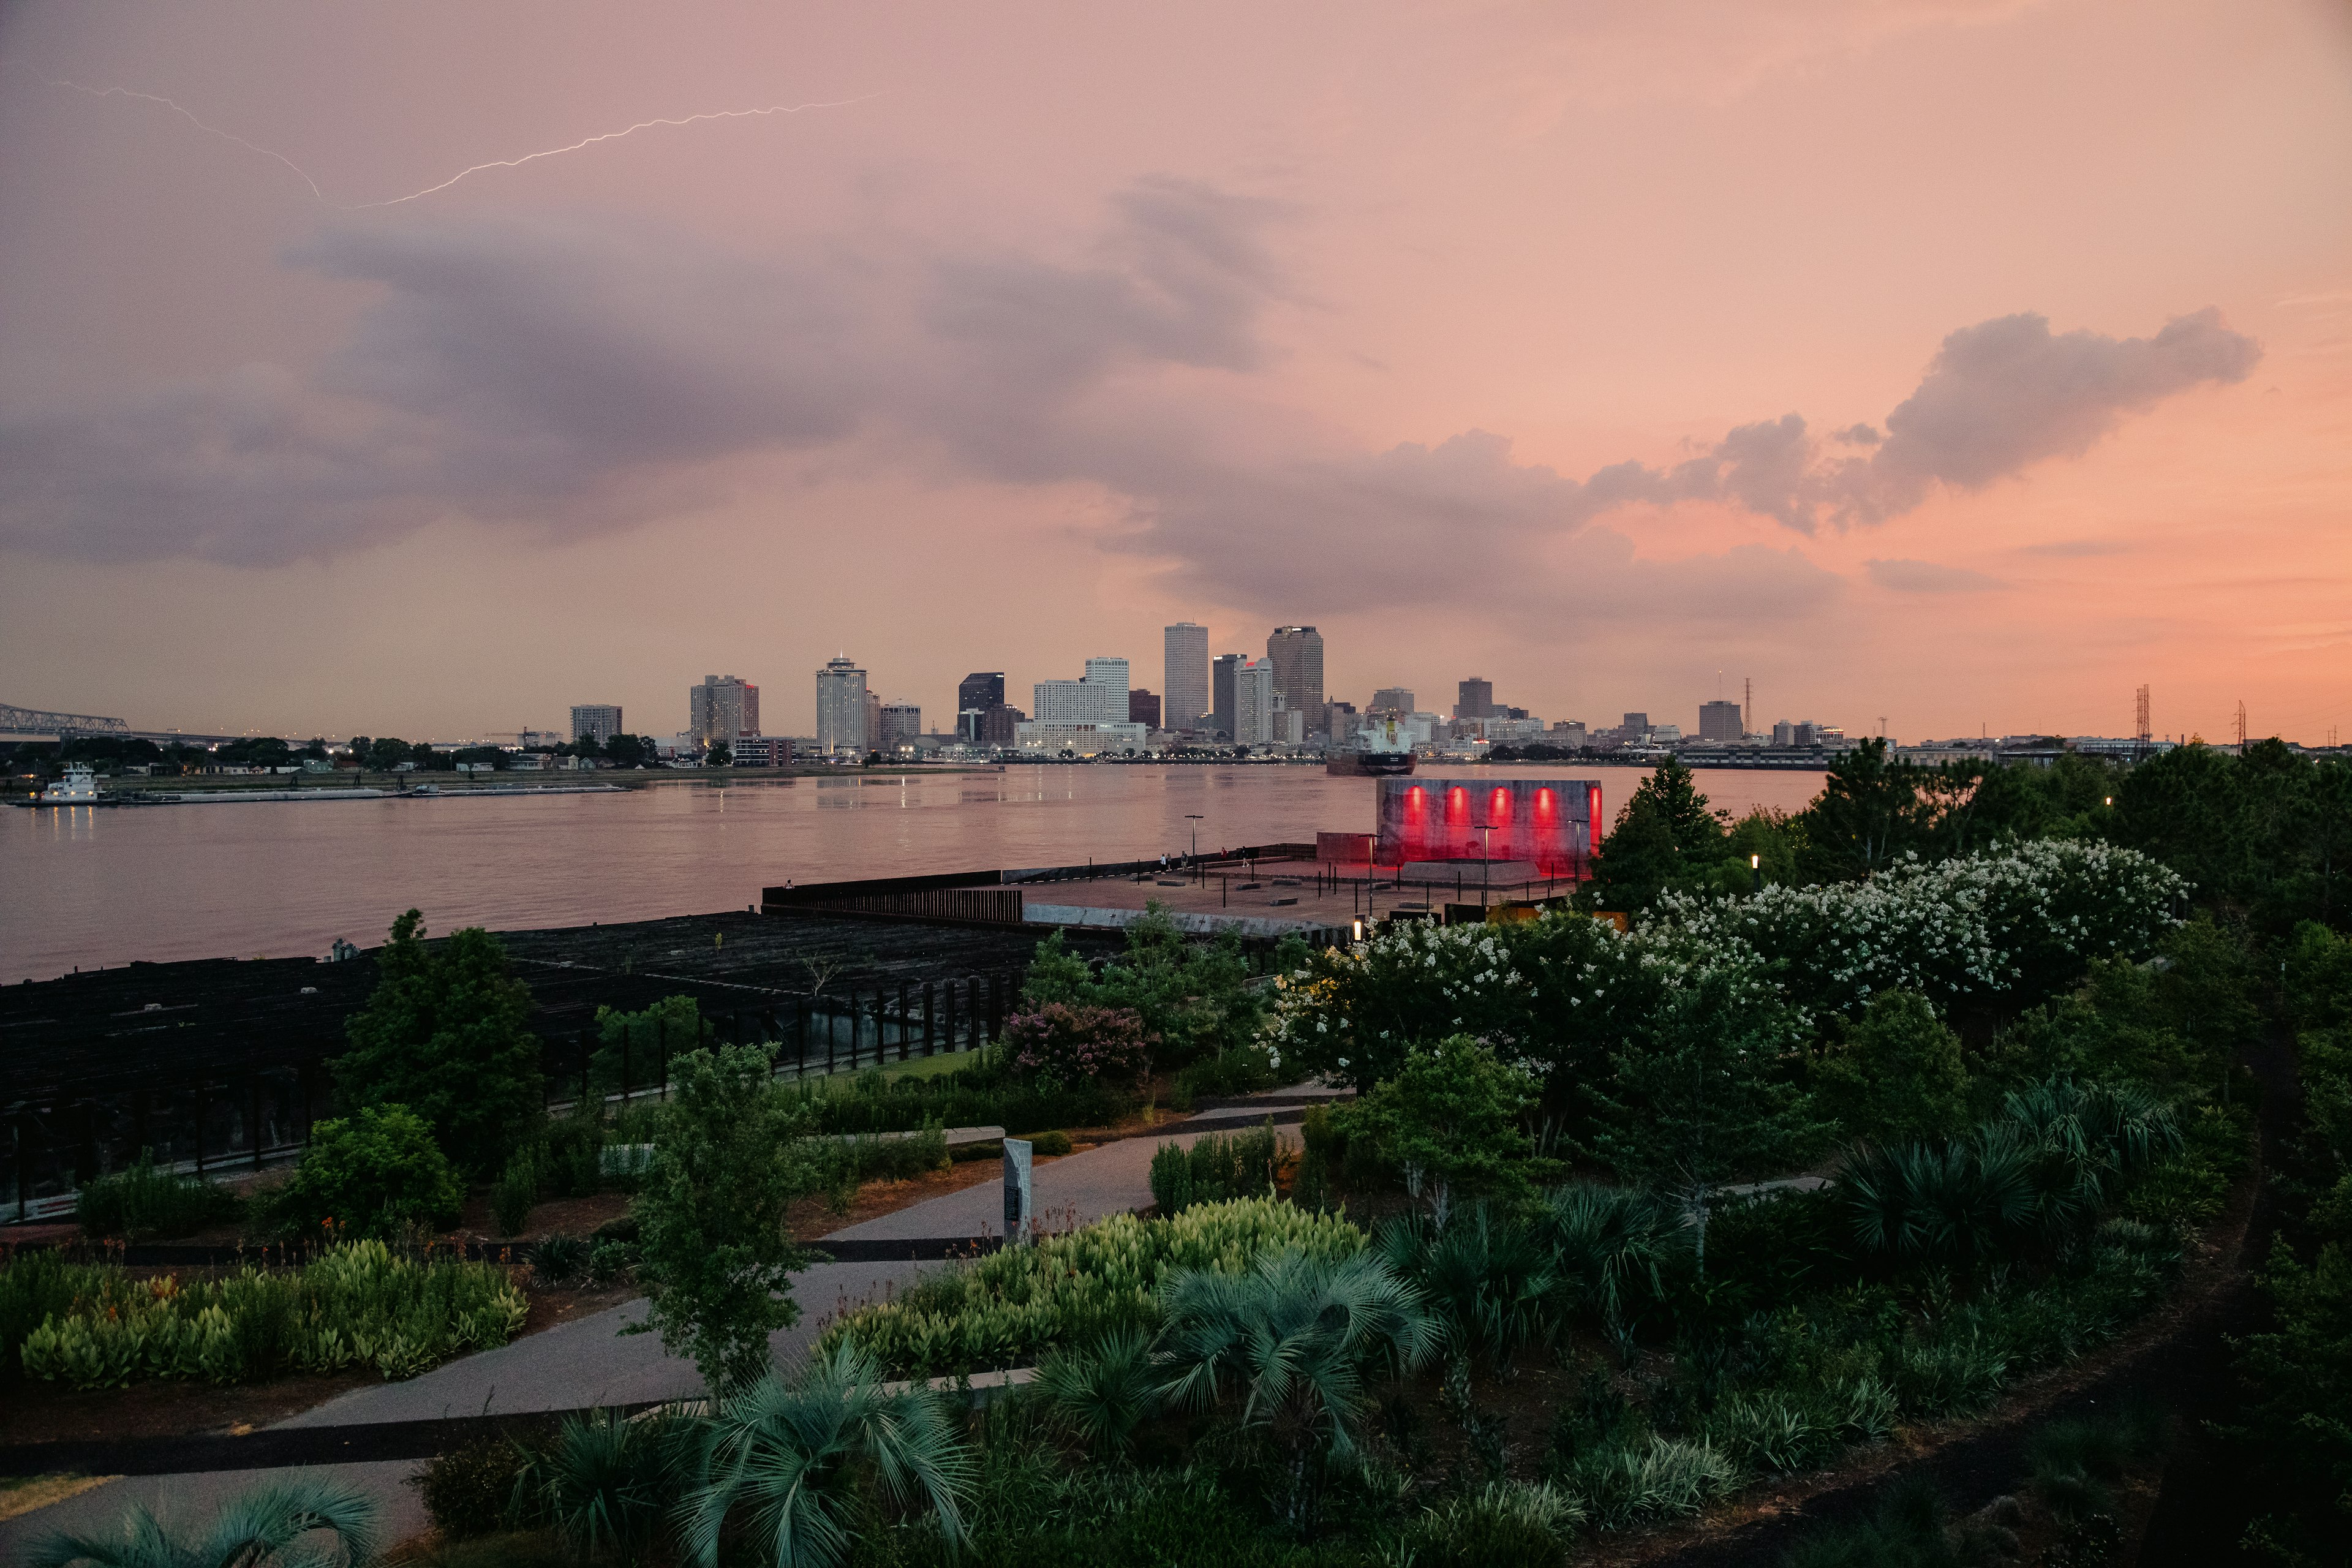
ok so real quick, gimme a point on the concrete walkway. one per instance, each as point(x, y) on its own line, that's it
point(591, 1362)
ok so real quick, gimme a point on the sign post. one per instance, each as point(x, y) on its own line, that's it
point(1018, 1196)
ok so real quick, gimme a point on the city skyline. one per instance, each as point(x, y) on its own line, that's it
point(1967, 362)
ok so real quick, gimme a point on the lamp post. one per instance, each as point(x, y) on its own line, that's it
point(1486, 861)
point(1195, 817)
point(1755, 866)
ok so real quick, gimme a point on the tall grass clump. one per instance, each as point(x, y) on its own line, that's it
point(143, 1201)
point(1217, 1167)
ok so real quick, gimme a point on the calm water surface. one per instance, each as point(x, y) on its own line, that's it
point(81, 887)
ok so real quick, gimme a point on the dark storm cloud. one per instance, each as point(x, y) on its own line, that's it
point(571, 378)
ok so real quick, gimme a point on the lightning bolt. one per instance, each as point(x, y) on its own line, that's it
point(610, 136)
point(213, 129)
point(478, 168)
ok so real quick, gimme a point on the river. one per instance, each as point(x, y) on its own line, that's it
point(83, 886)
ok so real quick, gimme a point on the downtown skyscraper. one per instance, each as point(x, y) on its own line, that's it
point(1184, 680)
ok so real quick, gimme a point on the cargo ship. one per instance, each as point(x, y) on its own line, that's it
point(1380, 749)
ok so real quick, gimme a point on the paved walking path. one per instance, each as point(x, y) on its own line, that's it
point(591, 1362)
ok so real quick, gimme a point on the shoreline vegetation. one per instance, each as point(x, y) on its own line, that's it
point(1875, 1132)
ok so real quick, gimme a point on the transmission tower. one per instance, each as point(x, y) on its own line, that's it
point(1747, 705)
point(2140, 731)
point(2241, 726)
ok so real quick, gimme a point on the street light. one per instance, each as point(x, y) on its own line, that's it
point(1756, 865)
point(1486, 861)
point(1195, 817)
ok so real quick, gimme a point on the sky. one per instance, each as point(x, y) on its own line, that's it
point(1937, 365)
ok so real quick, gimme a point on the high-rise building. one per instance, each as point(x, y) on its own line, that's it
point(1392, 699)
point(841, 709)
point(1221, 692)
point(998, 725)
point(722, 708)
point(1296, 655)
point(1338, 720)
point(1635, 726)
point(982, 690)
point(1253, 703)
point(902, 725)
point(597, 722)
point(1184, 680)
point(873, 719)
point(1142, 708)
point(1098, 696)
point(1474, 698)
point(1720, 721)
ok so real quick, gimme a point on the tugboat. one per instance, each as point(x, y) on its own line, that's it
point(1380, 750)
point(79, 787)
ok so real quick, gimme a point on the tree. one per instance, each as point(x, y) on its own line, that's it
point(443, 1034)
point(388, 753)
point(1899, 1073)
point(628, 750)
point(776, 1460)
point(1701, 1094)
point(253, 1529)
point(1665, 836)
point(1868, 815)
point(1195, 996)
point(372, 1174)
point(720, 754)
point(1453, 1112)
point(728, 1160)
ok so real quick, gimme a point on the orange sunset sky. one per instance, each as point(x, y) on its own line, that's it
point(1952, 362)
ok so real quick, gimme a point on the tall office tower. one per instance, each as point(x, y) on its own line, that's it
point(598, 722)
point(997, 727)
point(1184, 681)
point(1254, 702)
point(873, 719)
point(1296, 655)
point(1221, 692)
point(722, 708)
point(1635, 725)
point(1720, 721)
point(982, 690)
point(1142, 708)
point(841, 709)
point(1106, 679)
point(1338, 720)
point(1098, 696)
point(902, 725)
point(1474, 698)
point(1392, 699)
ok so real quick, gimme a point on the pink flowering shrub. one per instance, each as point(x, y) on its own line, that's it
point(1075, 1044)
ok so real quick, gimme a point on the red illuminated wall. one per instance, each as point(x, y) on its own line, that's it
point(1554, 823)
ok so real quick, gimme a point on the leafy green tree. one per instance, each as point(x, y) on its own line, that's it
point(387, 753)
point(730, 1159)
point(1452, 1112)
point(1665, 836)
point(443, 1034)
point(1702, 1095)
point(372, 1174)
point(425, 756)
point(1195, 996)
point(781, 1463)
point(720, 755)
point(628, 750)
point(264, 1524)
point(1898, 1074)
point(651, 1035)
point(1868, 815)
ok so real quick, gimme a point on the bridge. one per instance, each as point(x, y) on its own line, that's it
point(33, 721)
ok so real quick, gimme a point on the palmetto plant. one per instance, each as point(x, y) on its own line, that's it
point(774, 1462)
point(1612, 1247)
point(605, 1483)
point(1297, 1338)
point(1487, 1278)
point(1101, 1393)
point(269, 1526)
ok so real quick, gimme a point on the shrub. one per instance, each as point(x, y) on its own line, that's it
point(1245, 1069)
point(34, 1284)
point(470, 1490)
point(140, 1201)
point(1006, 1308)
point(1948, 1377)
point(1100, 1392)
point(1486, 1276)
point(1194, 998)
point(570, 1153)
point(371, 1175)
point(1909, 1529)
point(559, 1258)
point(357, 1305)
point(1080, 1044)
point(1452, 1112)
point(446, 1035)
point(1217, 1167)
point(515, 1193)
point(1050, 1144)
point(1636, 1484)
point(604, 1483)
point(1898, 1073)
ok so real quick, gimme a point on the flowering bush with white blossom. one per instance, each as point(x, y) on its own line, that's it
point(2015, 924)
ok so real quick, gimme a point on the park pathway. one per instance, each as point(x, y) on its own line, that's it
point(592, 1362)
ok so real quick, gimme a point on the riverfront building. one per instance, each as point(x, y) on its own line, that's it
point(841, 700)
point(1098, 696)
point(902, 725)
point(1720, 721)
point(597, 722)
point(720, 709)
point(1253, 703)
point(1474, 698)
point(1184, 677)
point(1221, 692)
